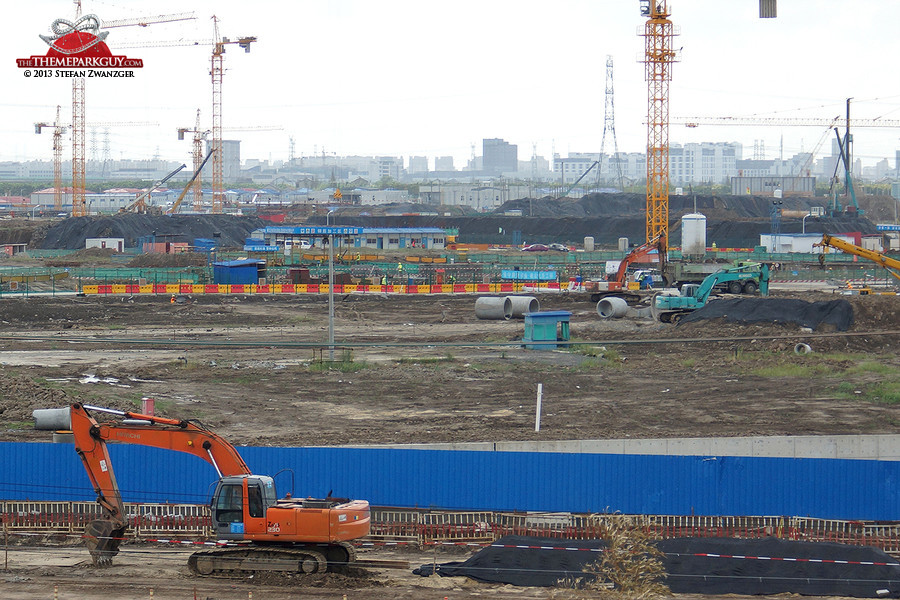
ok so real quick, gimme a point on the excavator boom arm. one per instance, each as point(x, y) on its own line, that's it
point(91, 439)
point(640, 254)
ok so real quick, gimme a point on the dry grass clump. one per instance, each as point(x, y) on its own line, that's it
point(631, 565)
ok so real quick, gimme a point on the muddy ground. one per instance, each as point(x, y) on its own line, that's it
point(255, 369)
point(426, 370)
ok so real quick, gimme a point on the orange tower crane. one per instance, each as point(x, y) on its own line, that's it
point(198, 136)
point(216, 71)
point(658, 59)
point(58, 130)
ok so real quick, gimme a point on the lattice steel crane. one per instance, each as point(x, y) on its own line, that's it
point(78, 99)
point(216, 71)
point(658, 58)
point(199, 135)
point(58, 130)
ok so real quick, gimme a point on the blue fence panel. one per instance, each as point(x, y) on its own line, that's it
point(675, 485)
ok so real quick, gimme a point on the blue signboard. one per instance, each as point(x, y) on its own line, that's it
point(315, 230)
point(260, 248)
point(528, 275)
point(887, 227)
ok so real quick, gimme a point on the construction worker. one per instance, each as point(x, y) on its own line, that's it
point(172, 299)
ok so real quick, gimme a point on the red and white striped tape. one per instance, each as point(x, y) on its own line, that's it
point(534, 547)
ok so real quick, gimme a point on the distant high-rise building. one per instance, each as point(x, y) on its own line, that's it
point(444, 163)
point(231, 161)
point(417, 164)
point(499, 156)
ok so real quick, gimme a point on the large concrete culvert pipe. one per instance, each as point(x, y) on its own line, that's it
point(493, 307)
point(612, 308)
point(524, 304)
point(49, 419)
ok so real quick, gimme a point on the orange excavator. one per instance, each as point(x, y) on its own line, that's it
point(260, 532)
point(652, 251)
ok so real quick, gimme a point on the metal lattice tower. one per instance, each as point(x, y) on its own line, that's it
point(609, 125)
point(218, 190)
point(216, 71)
point(78, 125)
point(57, 162)
point(199, 136)
point(658, 59)
point(58, 130)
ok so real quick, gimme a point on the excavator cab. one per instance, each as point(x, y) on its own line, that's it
point(239, 505)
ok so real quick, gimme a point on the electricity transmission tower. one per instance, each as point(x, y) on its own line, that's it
point(609, 126)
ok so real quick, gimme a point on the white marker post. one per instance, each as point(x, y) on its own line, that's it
point(537, 409)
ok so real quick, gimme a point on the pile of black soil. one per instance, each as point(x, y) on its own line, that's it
point(230, 231)
point(831, 315)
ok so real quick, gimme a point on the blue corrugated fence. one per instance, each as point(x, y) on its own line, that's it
point(502, 481)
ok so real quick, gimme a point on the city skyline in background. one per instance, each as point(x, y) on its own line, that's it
point(352, 78)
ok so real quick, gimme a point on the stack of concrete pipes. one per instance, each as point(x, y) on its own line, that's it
point(505, 307)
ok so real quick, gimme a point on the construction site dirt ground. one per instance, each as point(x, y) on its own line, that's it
point(433, 372)
point(414, 369)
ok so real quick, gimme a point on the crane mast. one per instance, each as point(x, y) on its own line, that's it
point(658, 58)
point(216, 71)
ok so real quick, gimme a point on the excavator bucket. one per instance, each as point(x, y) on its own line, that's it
point(102, 539)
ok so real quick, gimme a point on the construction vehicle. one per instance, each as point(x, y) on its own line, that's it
point(177, 204)
point(670, 306)
point(652, 251)
point(140, 204)
point(891, 265)
point(304, 535)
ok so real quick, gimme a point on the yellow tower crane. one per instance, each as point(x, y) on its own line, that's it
point(79, 208)
point(216, 71)
point(199, 135)
point(58, 130)
point(658, 59)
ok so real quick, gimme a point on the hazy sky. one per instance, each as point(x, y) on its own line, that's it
point(404, 77)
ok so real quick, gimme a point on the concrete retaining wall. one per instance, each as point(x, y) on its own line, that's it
point(860, 447)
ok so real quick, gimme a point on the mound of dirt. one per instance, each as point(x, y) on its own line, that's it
point(23, 394)
point(228, 230)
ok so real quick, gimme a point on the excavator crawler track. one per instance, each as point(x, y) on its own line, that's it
point(298, 559)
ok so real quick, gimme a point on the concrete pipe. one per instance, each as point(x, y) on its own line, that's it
point(523, 304)
point(63, 437)
point(612, 308)
point(492, 307)
point(52, 419)
point(802, 349)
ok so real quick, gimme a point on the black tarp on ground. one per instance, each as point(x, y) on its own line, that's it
point(775, 566)
point(521, 560)
point(837, 314)
point(697, 565)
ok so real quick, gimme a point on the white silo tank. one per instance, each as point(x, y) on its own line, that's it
point(693, 234)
